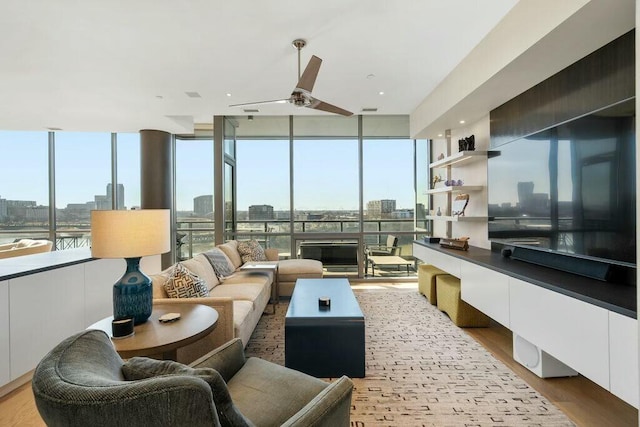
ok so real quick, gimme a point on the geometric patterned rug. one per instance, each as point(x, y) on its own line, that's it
point(422, 370)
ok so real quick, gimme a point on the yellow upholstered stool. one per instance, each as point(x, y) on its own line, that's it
point(427, 281)
point(460, 313)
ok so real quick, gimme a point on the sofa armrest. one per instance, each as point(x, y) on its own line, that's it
point(227, 359)
point(272, 254)
point(222, 333)
point(330, 408)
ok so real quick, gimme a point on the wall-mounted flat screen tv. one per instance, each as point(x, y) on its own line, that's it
point(569, 189)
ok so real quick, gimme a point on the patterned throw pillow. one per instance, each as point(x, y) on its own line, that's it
point(250, 250)
point(184, 284)
point(220, 263)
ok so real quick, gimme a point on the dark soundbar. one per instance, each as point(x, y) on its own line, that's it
point(585, 267)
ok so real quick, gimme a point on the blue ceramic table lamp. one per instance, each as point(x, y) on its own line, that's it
point(131, 235)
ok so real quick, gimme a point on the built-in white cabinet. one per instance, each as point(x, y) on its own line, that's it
point(623, 350)
point(99, 277)
point(444, 262)
point(574, 332)
point(39, 310)
point(486, 290)
point(45, 308)
point(600, 344)
point(5, 367)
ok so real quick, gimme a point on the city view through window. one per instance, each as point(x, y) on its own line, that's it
point(315, 180)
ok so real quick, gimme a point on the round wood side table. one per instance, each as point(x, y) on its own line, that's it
point(154, 338)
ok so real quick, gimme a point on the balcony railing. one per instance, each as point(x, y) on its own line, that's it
point(195, 236)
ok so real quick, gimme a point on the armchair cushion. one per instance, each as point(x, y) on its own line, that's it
point(220, 263)
point(184, 284)
point(251, 250)
point(139, 368)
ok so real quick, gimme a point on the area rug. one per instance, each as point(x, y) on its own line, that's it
point(421, 370)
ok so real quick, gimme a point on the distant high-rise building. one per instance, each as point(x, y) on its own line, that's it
point(120, 195)
point(104, 202)
point(380, 208)
point(203, 206)
point(261, 212)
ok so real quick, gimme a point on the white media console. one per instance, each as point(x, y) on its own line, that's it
point(557, 330)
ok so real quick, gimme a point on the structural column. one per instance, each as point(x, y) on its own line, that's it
point(156, 178)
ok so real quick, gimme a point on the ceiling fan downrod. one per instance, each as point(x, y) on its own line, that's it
point(299, 44)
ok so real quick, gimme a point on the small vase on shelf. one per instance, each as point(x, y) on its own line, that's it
point(439, 212)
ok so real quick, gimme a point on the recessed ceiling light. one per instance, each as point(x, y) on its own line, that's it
point(251, 110)
point(439, 134)
point(54, 128)
point(228, 94)
point(159, 96)
point(369, 109)
point(461, 122)
point(370, 76)
point(381, 93)
point(193, 94)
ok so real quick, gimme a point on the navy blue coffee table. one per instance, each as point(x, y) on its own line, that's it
point(325, 342)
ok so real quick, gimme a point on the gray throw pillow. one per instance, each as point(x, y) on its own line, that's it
point(139, 368)
point(250, 250)
point(220, 263)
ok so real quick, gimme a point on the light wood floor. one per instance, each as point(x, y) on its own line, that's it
point(586, 403)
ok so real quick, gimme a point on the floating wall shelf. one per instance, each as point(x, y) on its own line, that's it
point(462, 156)
point(455, 189)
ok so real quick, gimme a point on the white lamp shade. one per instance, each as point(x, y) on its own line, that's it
point(130, 234)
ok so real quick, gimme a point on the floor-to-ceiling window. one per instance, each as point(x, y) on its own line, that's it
point(263, 181)
point(128, 170)
point(82, 183)
point(24, 185)
point(194, 196)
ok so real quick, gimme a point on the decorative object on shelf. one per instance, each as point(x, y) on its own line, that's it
point(453, 183)
point(467, 144)
point(459, 183)
point(459, 204)
point(461, 243)
point(436, 179)
point(131, 235)
point(439, 213)
point(441, 156)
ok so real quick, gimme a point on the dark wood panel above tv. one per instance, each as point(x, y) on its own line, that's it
point(600, 79)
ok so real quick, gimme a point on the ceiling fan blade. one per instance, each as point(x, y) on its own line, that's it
point(316, 104)
point(308, 78)
point(275, 101)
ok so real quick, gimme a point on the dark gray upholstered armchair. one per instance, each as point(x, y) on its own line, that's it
point(84, 382)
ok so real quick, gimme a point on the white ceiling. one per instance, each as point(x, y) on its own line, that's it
point(125, 65)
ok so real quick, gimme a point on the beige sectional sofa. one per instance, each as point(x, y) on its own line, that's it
point(240, 299)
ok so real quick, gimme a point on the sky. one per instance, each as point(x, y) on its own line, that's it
point(325, 175)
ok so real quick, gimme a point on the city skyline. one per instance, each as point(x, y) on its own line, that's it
point(325, 171)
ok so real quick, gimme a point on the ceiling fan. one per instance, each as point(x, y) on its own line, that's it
point(301, 95)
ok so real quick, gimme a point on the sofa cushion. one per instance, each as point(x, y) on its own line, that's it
point(157, 282)
point(184, 284)
point(220, 263)
point(257, 293)
point(252, 391)
point(201, 267)
point(289, 270)
point(251, 250)
point(230, 249)
point(139, 368)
